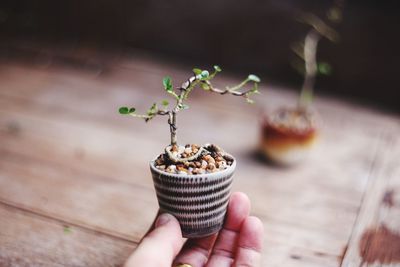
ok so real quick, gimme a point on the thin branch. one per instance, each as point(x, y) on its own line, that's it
point(311, 67)
point(149, 116)
point(172, 127)
point(228, 90)
point(308, 49)
point(320, 26)
point(200, 78)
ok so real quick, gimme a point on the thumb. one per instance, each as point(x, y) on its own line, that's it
point(159, 247)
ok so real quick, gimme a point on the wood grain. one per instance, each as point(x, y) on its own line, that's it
point(65, 155)
point(380, 208)
point(28, 239)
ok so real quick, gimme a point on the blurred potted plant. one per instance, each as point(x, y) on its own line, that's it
point(193, 182)
point(289, 134)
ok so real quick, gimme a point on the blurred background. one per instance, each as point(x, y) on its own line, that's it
point(242, 36)
point(75, 186)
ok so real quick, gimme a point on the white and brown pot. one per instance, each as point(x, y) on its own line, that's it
point(198, 201)
point(288, 136)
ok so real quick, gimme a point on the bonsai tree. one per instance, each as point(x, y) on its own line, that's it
point(289, 133)
point(199, 79)
point(307, 49)
point(193, 182)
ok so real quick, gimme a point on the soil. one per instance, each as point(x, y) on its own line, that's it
point(203, 159)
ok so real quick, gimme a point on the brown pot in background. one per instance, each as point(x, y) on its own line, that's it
point(288, 135)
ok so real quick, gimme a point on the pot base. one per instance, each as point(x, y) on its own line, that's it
point(204, 232)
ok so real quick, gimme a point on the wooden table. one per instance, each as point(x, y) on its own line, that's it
point(75, 187)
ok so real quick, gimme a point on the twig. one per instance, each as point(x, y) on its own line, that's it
point(200, 78)
point(311, 67)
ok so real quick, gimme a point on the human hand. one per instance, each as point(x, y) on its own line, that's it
point(239, 242)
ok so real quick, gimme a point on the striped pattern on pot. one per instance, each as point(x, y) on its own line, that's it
point(199, 202)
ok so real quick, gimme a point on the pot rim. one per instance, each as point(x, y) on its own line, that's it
point(218, 174)
point(290, 131)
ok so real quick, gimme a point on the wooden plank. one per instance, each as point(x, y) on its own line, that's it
point(277, 255)
point(65, 120)
point(279, 185)
point(99, 204)
point(283, 226)
point(277, 197)
point(141, 75)
point(28, 239)
point(289, 235)
point(285, 186)
point(375, 240)
point(80, 125)
point(270, 234)
point(67, 102)
point(270, 205)
point(25, 241)
point(65, 136)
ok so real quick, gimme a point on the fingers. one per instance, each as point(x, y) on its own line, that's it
point(250, 243)
point(160, 246)
point(196, 251)
point(153, 225)
point(225, 247)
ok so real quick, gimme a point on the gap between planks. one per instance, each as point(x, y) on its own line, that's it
point(368, 213)
point(28, 239)
point(63, 222)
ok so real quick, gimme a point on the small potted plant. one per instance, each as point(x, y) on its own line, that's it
point(289, 134)
point(193, 182)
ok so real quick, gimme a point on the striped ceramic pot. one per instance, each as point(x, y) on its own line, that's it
point(199, 201)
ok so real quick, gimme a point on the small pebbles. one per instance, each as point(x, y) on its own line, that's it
point(213, 159)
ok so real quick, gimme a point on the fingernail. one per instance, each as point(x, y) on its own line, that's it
point(163, 219)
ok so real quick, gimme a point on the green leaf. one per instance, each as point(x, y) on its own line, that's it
point(168, 83)
point(204, 74)
point(250, 101)
point(324, 68)
point(217, 68)
point(67, 230)
point(123, 110)
point(164, 102)
point(306, 97)
point(183, 106)
point(126, 110)
point(197, 71)
point(253, 78)
point(335, 15)
point(255, 89)
point(152, 110)
point(205, 86)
